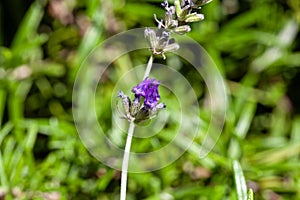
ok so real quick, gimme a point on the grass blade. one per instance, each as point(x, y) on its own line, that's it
point(3, 175)
point(240, 182)
point(250, 194)
point(29, 25)
point(2, 104)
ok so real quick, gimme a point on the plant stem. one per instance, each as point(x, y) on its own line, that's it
point(149, 66)
point(126, 161)
point(128, 143)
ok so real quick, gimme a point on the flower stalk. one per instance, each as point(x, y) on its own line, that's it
point(145, 104)
point(149, 66)
point(126, 161)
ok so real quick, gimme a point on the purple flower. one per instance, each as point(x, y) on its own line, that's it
point(148, 89)
point(145, 103)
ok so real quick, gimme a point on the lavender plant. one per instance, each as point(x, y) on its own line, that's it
point(145, 104)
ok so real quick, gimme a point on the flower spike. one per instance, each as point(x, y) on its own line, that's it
point(145, 104)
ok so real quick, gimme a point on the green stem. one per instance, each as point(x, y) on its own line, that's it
point(126, 161)
point(149, 66)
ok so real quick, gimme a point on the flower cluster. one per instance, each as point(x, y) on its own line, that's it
point(145, 103)
point(176, 20)
point(160, 41)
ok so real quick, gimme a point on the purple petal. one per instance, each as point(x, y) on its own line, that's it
point(148, 89)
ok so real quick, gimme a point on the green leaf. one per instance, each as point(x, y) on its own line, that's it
point(240, 182)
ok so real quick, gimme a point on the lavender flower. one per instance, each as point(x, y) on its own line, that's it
point(160, 41)
point(146, 97)
point(176, 20)
point(148, 89)
point(139, 110)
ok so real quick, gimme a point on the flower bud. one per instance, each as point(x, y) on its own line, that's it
point(135, 106)
point(194, 17)
point(182, 29)
point(153, 112)
point(171, 47)
point(126, 103)
point(150, 35)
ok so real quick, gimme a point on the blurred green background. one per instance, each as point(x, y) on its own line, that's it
point(256, 45)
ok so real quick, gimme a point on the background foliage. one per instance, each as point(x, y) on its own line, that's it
point(256, 46)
